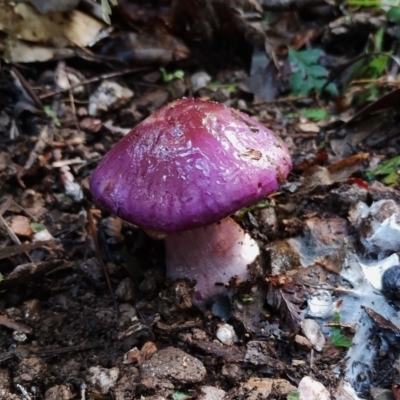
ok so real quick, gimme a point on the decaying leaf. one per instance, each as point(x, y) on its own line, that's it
point(286, 298)
point(16, 51)
point(11, 251)
point(25, 272)
point(384, 325)
point(337, 172)
point(59, 29)
point(229, 354)
point(17, 326)
point(375, 123)
point(20, 225)
point(145, 48)
point(386, 171)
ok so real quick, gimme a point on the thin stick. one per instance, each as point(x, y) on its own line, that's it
point(27, 87)
point(95, 79)
point(25, 394)
point(10, 232)
point(93, 231)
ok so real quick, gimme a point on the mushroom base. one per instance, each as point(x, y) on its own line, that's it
point(209, 255)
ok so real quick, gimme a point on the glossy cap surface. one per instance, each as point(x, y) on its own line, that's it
point(190, 164)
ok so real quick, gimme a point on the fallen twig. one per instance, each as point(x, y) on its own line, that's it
point(93, 232)
point(95, 79)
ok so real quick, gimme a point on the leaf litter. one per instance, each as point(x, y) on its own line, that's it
point(319, 313)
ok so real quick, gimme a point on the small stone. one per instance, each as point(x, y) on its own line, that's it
point(19, 337)
point(174, 365)
point(199, 80)
point(92, 269)
point(5, 381)
point(199, 334)
point(313, 333)
point(5, 386)
point(347, 195)
point(127, 313)
point(260, 353)
point(381, 394)
point(345, 391)
point(29, 370)
point(32, 310)
point(59, 392)
point(283, 256)
point(379, 191)
point(126, 386)
point(103, 378)
point(261, 388)
point(241, 104)
point(268, 219)
point(14, 313)
point(225, 334)
point(309, 127)
point(148, 350)
point(303, 342)
point(211, 393)
point(232, 372)
point(310, 389)
point(42, 236)
point(108, 96)
point(125, 290)
point(133, 356)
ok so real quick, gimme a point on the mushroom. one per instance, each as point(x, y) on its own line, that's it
point(181, 172)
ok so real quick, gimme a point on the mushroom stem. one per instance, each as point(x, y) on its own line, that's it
point(210, 254)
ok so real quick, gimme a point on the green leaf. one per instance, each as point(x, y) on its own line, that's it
point(336, 317)
point(229, 87)
point(378, 39)
point(340, 340)
point(317, 71)
point(179, 396)
point(374, 3)
point(36, 227)
point(393, 14)
point(168, 77)
point(246, 298)
point(295, 395)
point(106, 9)
point(391, 179)
point(337, 338)
point(332, 89)
point(388, 171)
point(257, 206)
point(307, 74)
point(364, 3)
point(377, 66)
point(50, 113)
point(63, 199)
point(315, 114)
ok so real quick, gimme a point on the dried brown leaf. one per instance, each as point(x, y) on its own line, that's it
point(10, 251)
point(286, 298)
point(20, 225)
point(16, 326)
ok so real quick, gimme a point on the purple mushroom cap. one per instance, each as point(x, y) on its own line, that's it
point(188, 165)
